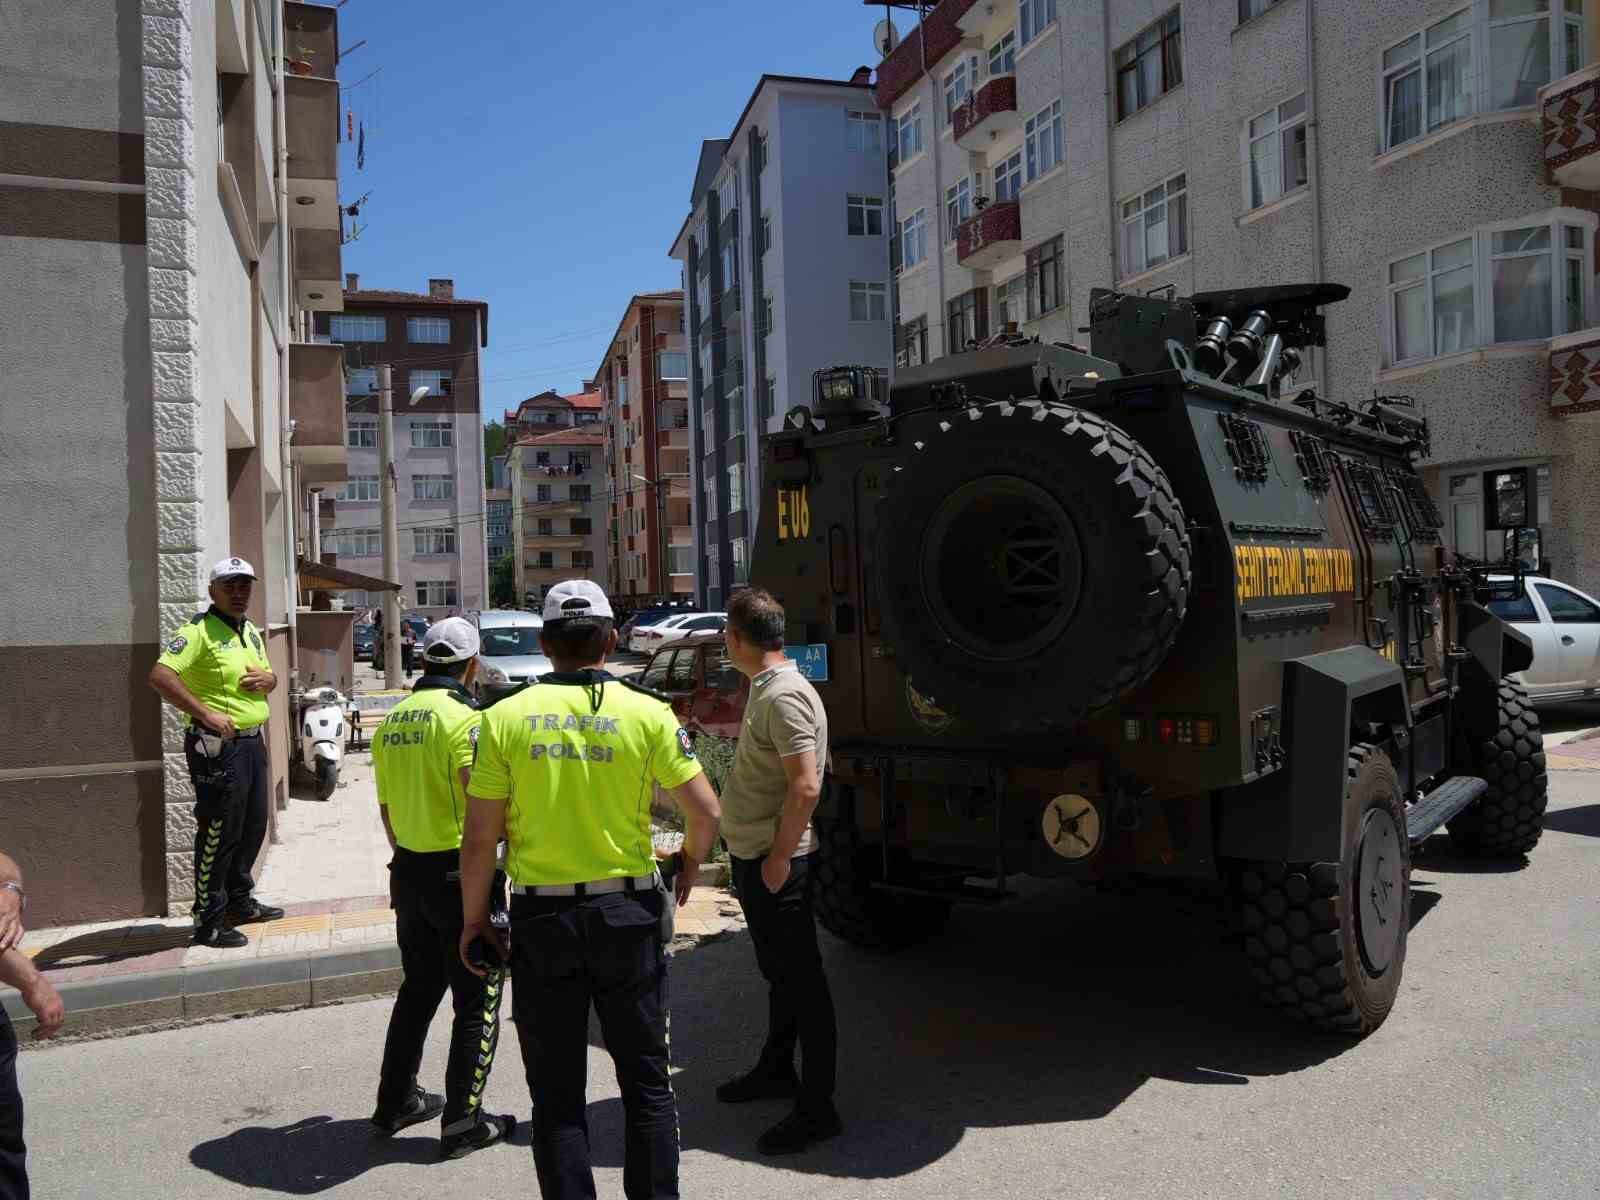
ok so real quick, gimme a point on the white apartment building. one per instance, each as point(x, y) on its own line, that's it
point(1437, 156)
point(786, 263)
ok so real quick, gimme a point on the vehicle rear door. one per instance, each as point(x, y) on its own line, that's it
point(681, 675)
point(1524, 613)
point(1575, 623)
point(719, 705)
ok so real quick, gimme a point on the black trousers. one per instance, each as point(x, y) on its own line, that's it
point(568, 953)
point(230, 811)
point(426, 892)
point(799, 1003)
point(13, 1155)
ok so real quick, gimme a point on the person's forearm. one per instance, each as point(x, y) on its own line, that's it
point(388, 829)
point(171, 689)
point(702, 817)
point(477, 872)
point(17, 969)
point(798, 805)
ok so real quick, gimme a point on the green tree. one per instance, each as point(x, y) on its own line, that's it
point(503, 582)
point(494, 445)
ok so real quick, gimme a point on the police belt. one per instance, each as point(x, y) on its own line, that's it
point(200, 730)
point(594, 887)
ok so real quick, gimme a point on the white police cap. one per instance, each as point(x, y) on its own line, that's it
point(228, 568)
point(451, 640)
point(573, 598)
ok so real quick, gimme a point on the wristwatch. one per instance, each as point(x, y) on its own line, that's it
point(11, 885)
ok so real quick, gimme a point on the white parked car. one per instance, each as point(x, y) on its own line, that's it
point(646, 638)
point(1564, 624)
point(679, 630)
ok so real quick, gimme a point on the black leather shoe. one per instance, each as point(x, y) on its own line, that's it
point(219, 937)
point(763, 1083)
point(248, 912)
point(421, 1106)
point(489, 1130)
point(800, 1130)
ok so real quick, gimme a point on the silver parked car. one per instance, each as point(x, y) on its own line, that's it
point(1564, 624)
point(509, 654)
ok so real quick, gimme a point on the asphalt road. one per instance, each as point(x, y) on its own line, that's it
point(1074, 1044)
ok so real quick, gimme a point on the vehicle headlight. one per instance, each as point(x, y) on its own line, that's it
point(493, 674)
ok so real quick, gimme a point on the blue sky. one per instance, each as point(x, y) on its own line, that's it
point(541, 154)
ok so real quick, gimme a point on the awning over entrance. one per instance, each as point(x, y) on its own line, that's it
point(327, 578)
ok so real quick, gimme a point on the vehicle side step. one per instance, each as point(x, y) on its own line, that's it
point(1438, 806)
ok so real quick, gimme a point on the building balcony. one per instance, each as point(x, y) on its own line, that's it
point(990, 236)
point(676, 438)
point(555, 541)
point(1575, 375)
point(989, 113)
point(311, 115)
point(680, 535)
point(318, 270)
point(560, 508)
point(316, 404)
point(943, 30)
point(327, 510)
point(1571, 129)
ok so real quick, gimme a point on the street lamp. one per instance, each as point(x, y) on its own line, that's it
point(661, 529)
point(391, 528)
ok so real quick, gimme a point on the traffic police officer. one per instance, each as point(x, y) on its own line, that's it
point(421, 754)
point(564, 771)
point(215, 669)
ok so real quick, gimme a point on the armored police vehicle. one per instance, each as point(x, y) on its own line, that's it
point(1146, 609)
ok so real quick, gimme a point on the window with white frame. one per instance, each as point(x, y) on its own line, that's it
point(957, 205)
point(730, 265)
point(1155, 226)
point(728, 193)
point(1042, 139)
point(864, 130)
point(958, 85)
point(1149, 65)
point(863, 215)
point(1011, 302)
point(764, 237)
point(672, 365)
point(1035, 16)
point(433, 487)
point(1044, 275)
point(1008, 178)
point(766, 315)
point(735, 487)
point(1254, 8)
point(360, 381)
point(1003, 55)
point(433, 330)
point(912, 349)
point(356, 543)
point(432, 435)
point(761, 153)
point(1275, 152)
point(359, 487)
point(437, 382)
point(868, 301)
point(436, 593)
point(1487, 56)
point(914, 239)
point(741, 561)
point(911, 132)
point(583, 560)
point(362, 435)
point(496, 550)
point(498, 529)
point(434, 539)
point(348, 327)
point(1503, 283)
point(769, 398)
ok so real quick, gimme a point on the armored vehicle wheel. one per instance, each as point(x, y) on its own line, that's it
point(1508, 819)
point(850, 908)
point(1040, 564)
point(1327, 941)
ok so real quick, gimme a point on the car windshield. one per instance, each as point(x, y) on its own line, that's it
point(363, 630)
point(509, 640)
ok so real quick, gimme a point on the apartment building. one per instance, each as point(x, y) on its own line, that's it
point(1438, 156)
point(558, 503)
point(158, 261)
point(644, 386)
point(497, 523)
point(786, 263)
point(431, 339)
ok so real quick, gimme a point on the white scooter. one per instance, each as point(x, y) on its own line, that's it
point(321, 720)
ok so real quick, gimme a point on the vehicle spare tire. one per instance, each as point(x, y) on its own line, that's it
point(1032, 563)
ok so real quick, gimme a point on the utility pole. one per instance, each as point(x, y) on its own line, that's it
point(391, 530)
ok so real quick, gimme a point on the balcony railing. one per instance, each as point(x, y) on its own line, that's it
point(1575, 374)
point(1571, 126)
point(989, 113)
point(990, 236)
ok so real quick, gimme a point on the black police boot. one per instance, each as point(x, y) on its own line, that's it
point(420, 1106)
point(250, 910)
point(764, 1082)
point(489, 1130)
point(219, 937)
point(801, 1129)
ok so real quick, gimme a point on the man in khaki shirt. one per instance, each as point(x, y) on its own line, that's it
point(767, 804)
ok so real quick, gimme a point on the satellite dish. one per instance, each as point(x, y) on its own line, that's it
point(885, 37)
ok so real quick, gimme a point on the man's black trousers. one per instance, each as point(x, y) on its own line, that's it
point(799, 1003)
point(609, 951)
point(13, 1156)
point(426, 891)
point(231, 793)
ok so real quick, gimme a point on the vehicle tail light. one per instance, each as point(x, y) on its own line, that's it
point(1187, 731)
point(1132, 730)
point(1166, 731)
